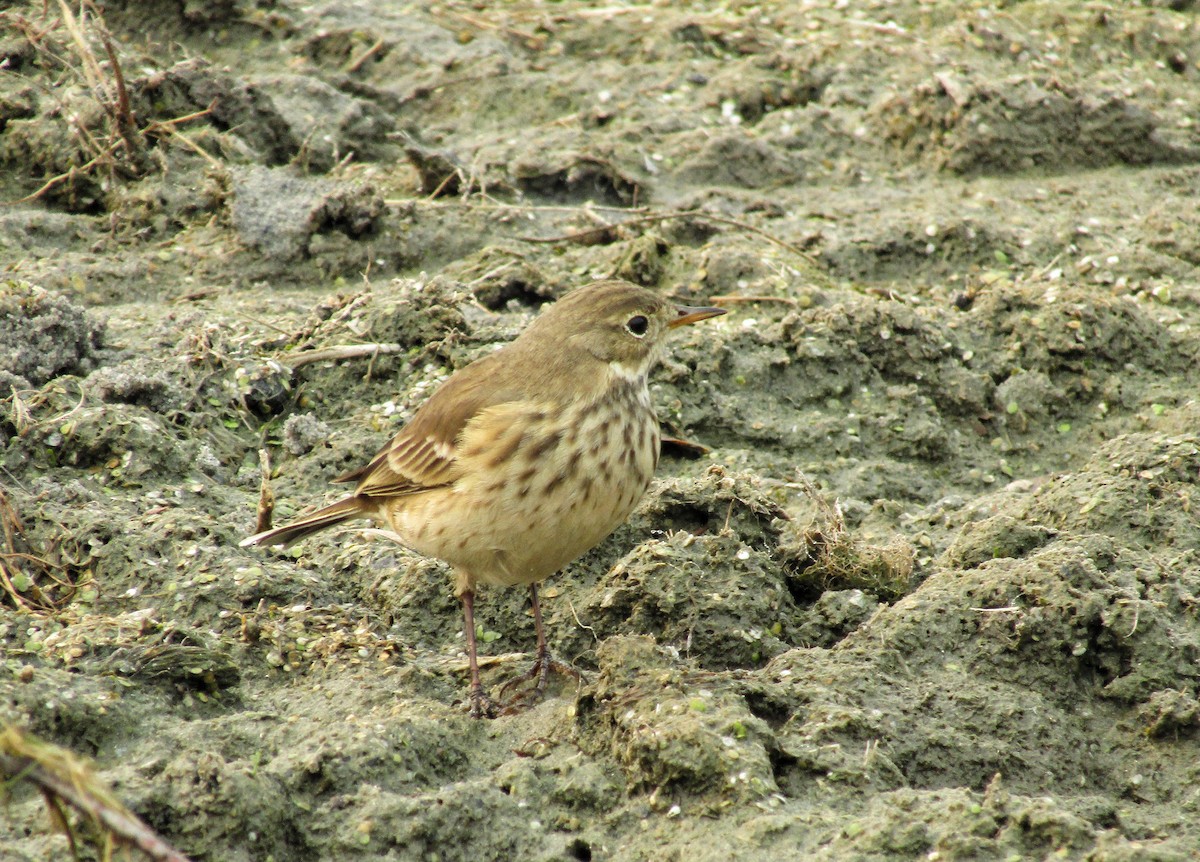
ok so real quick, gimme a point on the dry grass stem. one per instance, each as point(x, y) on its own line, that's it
point(733, 299)
point(344, 351)
point(266, 496)
point(63, 777)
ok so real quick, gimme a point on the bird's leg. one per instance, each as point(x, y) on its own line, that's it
point(481, 704)
point(543, 662)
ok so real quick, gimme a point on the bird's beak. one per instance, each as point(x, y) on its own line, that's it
point(692, 313)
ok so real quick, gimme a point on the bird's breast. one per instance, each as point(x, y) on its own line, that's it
point(553, 482)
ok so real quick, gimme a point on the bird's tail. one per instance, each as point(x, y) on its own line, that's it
point(346, 509)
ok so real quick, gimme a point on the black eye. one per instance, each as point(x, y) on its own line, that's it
point(638, 325)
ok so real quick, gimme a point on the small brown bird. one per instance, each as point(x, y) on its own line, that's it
point(524, 459)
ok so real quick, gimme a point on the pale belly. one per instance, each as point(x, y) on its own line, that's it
point(557, 496)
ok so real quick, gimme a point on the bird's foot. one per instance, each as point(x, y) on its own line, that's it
point(539, 674)
point(481, 705)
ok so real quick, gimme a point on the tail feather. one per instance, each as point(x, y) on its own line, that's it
point(346, 509)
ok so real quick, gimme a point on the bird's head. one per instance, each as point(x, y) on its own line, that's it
point(618, 323)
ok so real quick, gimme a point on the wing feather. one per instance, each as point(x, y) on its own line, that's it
point(424, 454)
point(475, 409)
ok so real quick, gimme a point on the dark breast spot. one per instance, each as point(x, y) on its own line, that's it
point(591, 408)
point(573, 460)
point(504, 449)
point(543, 446)
point(559, 478)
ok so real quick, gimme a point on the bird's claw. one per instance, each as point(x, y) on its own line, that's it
point(482, 706)
point(540, 671)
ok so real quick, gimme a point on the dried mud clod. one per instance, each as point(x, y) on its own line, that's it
point(301, 639)
point(182, 658)
point(440, 173)
point(43, 334)
point(711, 598)
point(565, 177)
point(289, 217)
point(1171, 714)
point(707, 583)
point(420, 316)
point(669, 730)
point(500, 278)
point(969, 126)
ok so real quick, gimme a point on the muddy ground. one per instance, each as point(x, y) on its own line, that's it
point(932, 593)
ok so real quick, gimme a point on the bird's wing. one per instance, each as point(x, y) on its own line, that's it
point(424, 454)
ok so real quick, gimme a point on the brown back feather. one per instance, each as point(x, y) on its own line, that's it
point(423, 455)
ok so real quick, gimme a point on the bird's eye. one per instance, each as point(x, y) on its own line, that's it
point(638, 325)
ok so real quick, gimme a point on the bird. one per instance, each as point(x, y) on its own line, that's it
point(526, 458)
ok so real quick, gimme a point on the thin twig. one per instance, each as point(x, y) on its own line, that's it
point(587, 236)
point(66, 175)
point(356, 63)
point(344, 351)
point(580, 622)
point(11, 561)
point(122, 111)
point(642, 216)
point(88, 62)
point(168, 129)
point(732, 299)
point(174, 135)
point(476, 203)
point(156, 126)
point(529, 39)
point(11, 591)
point(446, 180)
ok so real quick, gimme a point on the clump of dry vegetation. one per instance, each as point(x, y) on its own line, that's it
point(99, 138)
point(33, 580)
point(824, 555)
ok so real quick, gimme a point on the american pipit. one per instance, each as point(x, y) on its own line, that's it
point(526, 458)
